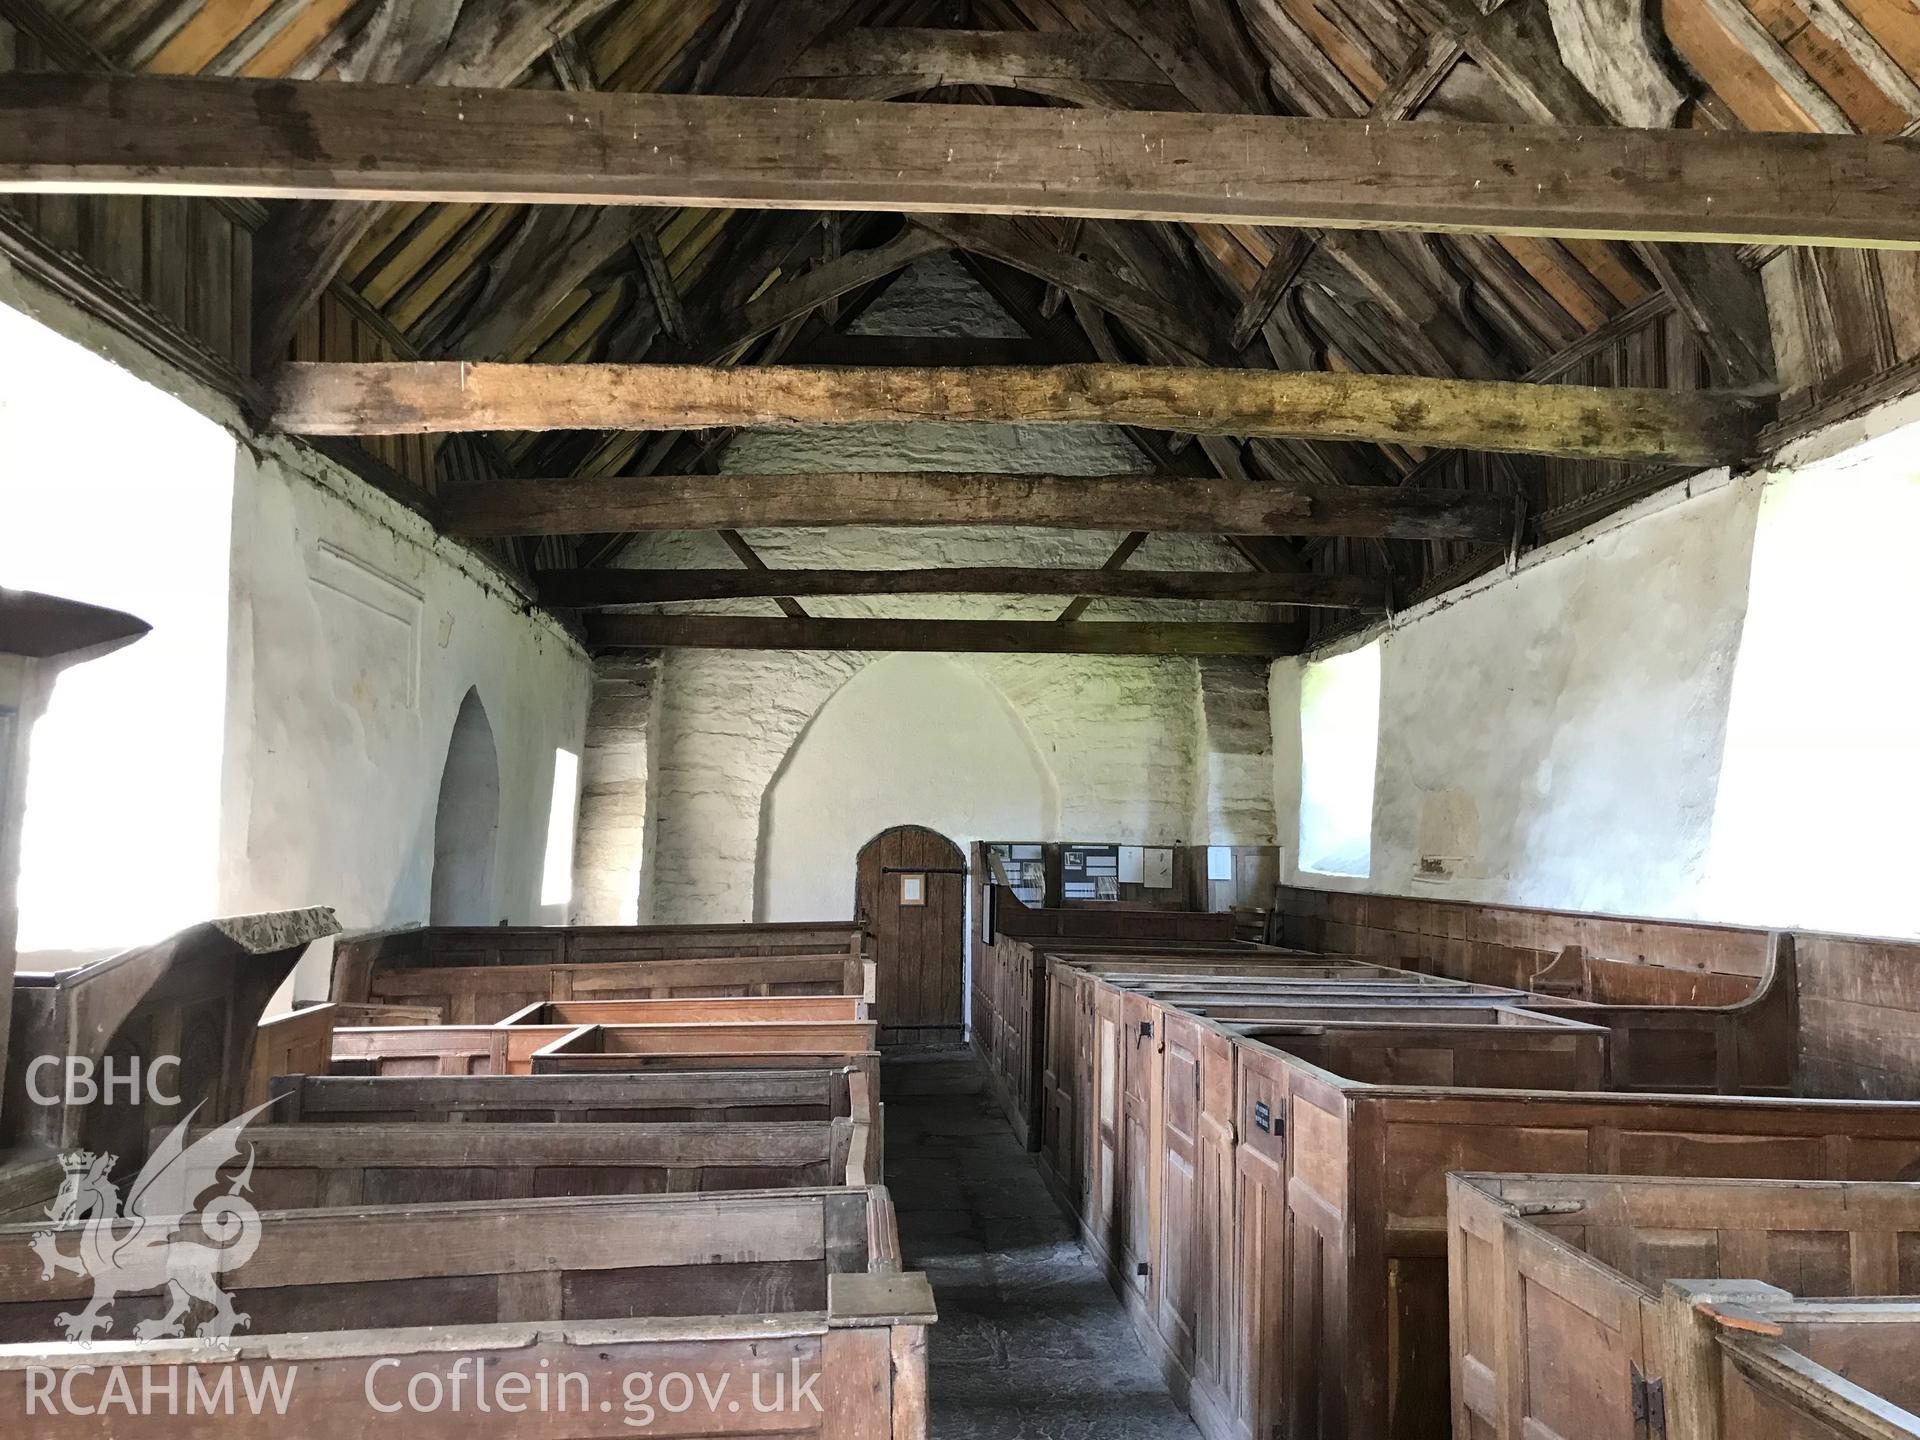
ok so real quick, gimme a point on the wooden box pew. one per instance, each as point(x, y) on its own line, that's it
point(1493, 1055)
point(1387, 1010)
point(1009, 980)
point(481, 995)
point(575, 1298)
point(441, 1049)
point(1010, 1033)
point(366, 1013)
point(1304, 981)
point(1366, 1004)
point(1742, 1047)
point(1836, 1369)
point(326, 1166)
point(1353, 1175)
point(1328, 980)
point(477, 976)
point(294, 1043)
point(1748, 1047)
point(1191, 1152)
point(704, 1045)
point(679, 1012)
point(1216, 978)
point(1575, 1298)
point(508, 1047)
point(651, 1097)
point(464, 945)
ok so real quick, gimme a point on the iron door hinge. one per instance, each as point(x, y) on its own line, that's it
point(1649, 1406)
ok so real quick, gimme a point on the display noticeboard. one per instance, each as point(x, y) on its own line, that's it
point(1090, 872)
point(1025, 867)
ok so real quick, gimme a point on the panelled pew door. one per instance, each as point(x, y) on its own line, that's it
point(1569, 1339)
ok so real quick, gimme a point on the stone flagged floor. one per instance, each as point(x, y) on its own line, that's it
point(1031, 1341)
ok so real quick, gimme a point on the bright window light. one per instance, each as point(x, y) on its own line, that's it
point(556, 875)
point(113, 492)
point(1821, 778)
point(1339, 734)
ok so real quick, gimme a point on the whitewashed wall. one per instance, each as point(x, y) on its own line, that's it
point(348, 637)
point(910, 740)
point(1667, 716)
point(355, 638)
point(1555, 737)
point(1815, 825)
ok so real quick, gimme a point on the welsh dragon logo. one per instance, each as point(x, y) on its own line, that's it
point(143, 1248)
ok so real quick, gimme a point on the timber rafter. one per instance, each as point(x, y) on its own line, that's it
point(1210, 293)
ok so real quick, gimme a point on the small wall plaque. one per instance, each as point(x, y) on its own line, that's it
point(913, 889)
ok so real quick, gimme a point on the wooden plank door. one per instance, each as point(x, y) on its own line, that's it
point(912, 897)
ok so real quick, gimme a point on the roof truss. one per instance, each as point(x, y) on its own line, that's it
point(195, 135)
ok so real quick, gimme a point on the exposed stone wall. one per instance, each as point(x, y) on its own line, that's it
point(1235, 753)
point(726, 720)
point(1124, 738)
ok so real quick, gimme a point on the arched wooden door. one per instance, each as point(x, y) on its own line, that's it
point(912, 895)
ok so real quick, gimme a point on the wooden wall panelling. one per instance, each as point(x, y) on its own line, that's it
point(1502, 944)
point(1845, 328)
point(1859, 1032)
point(1847, 1017)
